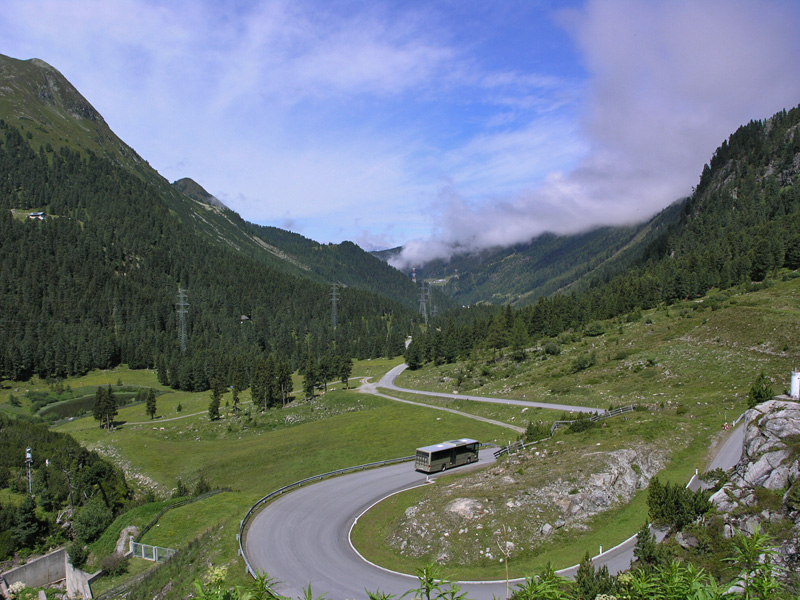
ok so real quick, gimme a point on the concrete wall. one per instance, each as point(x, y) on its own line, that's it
point(78, 582)
point(41, 571)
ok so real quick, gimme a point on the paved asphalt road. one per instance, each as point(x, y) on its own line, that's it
point(387, 382)
point(303, 537)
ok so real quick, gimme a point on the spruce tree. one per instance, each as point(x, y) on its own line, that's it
point(761, 391)
point(213, 407)
point(150, 405)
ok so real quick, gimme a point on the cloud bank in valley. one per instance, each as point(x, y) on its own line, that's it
point(668, 82)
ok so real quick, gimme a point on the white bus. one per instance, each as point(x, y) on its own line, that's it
point(446, 455)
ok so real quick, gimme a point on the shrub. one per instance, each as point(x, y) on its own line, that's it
point(114, 565)
point(201, 487)
point(793, 497)
point(583, 423)
point(761, 391)
point(594, 329)
point(583, 362)
point(78, 553)
point(6, 545)
point(92, 520)
point(552, 348)
point(537, 431)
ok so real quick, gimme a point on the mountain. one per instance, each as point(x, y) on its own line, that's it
point(740, 227)
point(548, 264)
point(195, 191)
point(51, 113)
point(93, 279)
point(740, 222)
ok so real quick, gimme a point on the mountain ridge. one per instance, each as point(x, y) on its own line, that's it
point(51, 113)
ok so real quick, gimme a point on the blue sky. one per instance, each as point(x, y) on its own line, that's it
point(441, 125)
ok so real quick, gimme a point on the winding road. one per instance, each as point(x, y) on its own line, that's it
point(303, 537)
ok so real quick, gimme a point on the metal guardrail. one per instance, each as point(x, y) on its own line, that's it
point(298, 484)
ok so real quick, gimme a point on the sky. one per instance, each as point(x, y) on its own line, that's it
point(444, 125)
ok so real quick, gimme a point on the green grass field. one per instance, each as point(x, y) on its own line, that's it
point(691, 365)
point(686, 356)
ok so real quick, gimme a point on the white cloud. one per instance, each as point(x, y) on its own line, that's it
point(668, 83)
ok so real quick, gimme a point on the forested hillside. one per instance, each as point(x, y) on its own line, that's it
point(741, 224)
point(344, 263)
point(93, 280)
point(95, 283)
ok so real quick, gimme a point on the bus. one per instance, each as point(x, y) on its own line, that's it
point(442, 456)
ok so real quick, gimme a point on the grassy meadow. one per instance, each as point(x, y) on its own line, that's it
point(691, 365)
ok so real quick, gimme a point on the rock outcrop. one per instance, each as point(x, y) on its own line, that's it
point(499, 512)
point(770, 461)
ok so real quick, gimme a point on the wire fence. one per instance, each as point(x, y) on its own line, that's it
point(148, 552)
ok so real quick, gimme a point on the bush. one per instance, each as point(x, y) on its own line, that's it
point(581, 425)
point(674, 505)
point(537, 431)
point(761, 391)
point(583, 362)
point(201, 487)
point(78, 553)
point(552, 349)
point(6, 545)
point(594, 329)
point(92, 520)
point(114, 565)
point(793, 497)
point(180, 489)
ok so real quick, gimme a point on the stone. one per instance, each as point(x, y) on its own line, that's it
point(123, 542)
point(686, 541)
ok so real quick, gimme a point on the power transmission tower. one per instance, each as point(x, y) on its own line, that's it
point(334, 298)
point(183, 306)
point(28, 464)
point(423, 307)
point(434, 311)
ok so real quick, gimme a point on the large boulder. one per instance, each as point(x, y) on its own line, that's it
point(768, 461)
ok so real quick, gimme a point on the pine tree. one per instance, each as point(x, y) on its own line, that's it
point(761, 391)
point(150, 403)
point(310, 377)
point(345, 369)
point(216, 395)
point(284, 380)
point(518, 339)
point(26, 524)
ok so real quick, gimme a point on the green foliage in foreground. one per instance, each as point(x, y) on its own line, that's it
point(757, 578)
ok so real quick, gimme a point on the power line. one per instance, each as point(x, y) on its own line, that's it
point(334, 298)
point(182, 311)
point(423, 308)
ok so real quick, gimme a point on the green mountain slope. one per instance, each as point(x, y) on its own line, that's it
point(94, 281)
point(741, 225)
point(50, 113)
